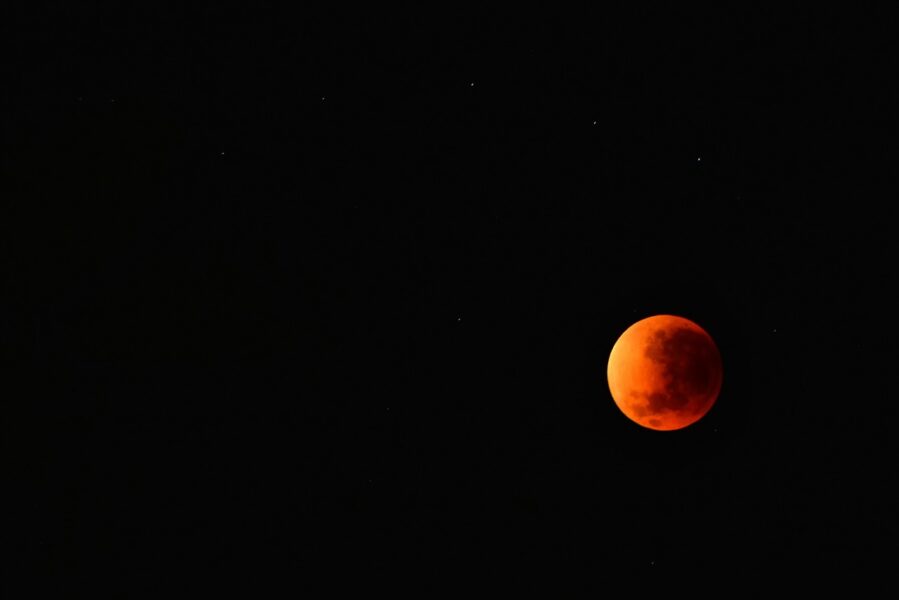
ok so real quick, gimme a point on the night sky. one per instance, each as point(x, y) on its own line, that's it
point(302, 302)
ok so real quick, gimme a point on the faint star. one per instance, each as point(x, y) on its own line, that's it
point(471, 84)
point(699, 159)
point(594, 122)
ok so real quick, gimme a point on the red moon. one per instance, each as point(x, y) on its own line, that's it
point(665, 372)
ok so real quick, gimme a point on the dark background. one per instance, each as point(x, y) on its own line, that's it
point(294, 299)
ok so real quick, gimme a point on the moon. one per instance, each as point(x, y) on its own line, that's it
point(665, 372)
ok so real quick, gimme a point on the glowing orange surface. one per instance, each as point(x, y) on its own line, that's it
point(665, 372)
